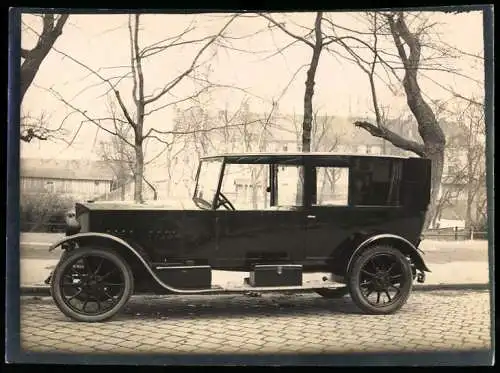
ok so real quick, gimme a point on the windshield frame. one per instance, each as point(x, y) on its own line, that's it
point(203, 203)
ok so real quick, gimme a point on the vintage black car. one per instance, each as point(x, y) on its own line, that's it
point(330, 223)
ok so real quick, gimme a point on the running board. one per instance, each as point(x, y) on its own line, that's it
point(204, 280)
point(311, 285)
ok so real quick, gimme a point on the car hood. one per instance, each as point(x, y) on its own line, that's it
point(167, 204)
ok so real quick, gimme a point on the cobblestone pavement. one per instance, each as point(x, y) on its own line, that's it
point(272, 323)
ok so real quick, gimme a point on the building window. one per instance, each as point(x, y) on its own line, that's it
point(49, 186)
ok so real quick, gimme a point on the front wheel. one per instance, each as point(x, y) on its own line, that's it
point(91, 284)
point(380, 280)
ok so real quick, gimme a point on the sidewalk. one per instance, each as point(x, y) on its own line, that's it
point(454, 264)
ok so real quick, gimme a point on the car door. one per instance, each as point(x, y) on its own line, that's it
point(250, 237)
point(268, 232)
point(329, 219)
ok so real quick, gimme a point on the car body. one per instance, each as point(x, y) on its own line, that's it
point(377, 205)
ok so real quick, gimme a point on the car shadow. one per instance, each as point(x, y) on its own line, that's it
point(235, 306)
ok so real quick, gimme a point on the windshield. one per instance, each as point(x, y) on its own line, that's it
point(207, 182)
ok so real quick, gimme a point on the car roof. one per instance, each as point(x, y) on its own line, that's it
point(291, 156)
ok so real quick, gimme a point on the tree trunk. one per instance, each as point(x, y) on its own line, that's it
point(319, 199)
point(138, 174)
point(34, 58)
point(308, 95)
point(437, 162)
point(253, 185)
point(439, 207)
point(122, 192)
point(428, 126)
point(309, 91)
point(470, 194)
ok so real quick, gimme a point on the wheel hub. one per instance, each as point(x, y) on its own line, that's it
point(381, 281)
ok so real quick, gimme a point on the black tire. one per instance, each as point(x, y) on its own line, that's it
point(332, 293)
point(364, 280)
point(93, 290)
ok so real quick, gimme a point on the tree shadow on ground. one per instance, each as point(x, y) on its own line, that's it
point(235, 306)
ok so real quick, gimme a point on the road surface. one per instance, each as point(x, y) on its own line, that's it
point(272, 323)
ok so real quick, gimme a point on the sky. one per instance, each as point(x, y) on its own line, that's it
point(101, 42)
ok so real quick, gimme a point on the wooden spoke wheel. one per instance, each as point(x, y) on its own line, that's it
point(380, 280)
point(91, 284)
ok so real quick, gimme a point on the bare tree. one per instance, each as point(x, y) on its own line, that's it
point(467, 156)
point(451, 190)
point(408, 45)
point(324, 138)
point(118, 154)
point(256, 138)
point(145, 104)
point(38, 127)
point(31, 60)
point(317, 43)
point(234, 131)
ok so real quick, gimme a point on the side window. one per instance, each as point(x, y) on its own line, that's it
point(376, 182)
point(290, 185)
point(245, 186)
point(332, 186)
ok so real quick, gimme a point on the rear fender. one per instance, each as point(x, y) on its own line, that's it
point(398, 242)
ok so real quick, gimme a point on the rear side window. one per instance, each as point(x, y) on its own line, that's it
point(332, 186)
point(375, 182)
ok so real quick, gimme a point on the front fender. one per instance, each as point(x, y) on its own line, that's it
point(89, 235)
point(394, 240)
point(77, 237)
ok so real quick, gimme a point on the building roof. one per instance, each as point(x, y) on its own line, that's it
point(73, 169)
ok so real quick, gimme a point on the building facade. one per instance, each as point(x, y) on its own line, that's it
point(74, 179)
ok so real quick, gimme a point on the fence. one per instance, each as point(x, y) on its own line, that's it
point(454, 234)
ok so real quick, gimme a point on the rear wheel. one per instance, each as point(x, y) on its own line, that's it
point(91, 284)
point(380, 280)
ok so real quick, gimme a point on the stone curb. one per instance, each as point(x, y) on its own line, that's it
point(45, 290)
point(434, 287)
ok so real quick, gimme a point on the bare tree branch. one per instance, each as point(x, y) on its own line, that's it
point(395, 139)
point(285, 30)
point(33, 58)
point(179, 78)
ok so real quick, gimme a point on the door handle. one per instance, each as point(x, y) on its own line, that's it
point(311, 216)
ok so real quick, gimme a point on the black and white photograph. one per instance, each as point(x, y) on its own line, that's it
point(242, 184)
